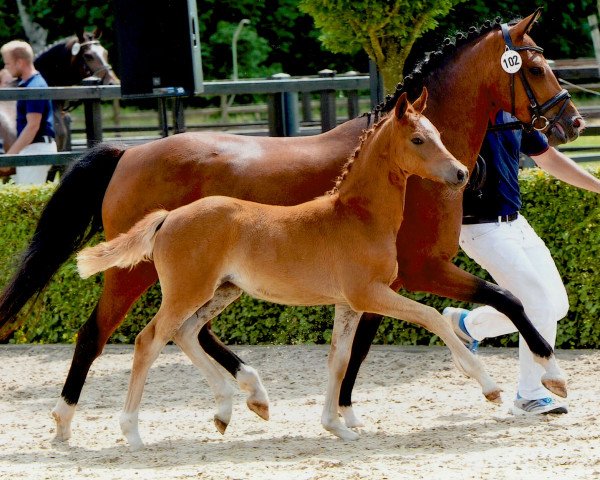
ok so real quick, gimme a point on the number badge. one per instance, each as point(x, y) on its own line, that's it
point(511, 61)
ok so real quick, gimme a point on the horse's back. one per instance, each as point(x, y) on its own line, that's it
point(180, 169)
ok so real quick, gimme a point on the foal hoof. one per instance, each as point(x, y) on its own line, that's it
point(258, 407)
point(494, 396)
point(220, 424)
point(350, 418)
point(558, 386)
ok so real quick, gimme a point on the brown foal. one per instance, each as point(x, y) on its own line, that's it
point(337, 249)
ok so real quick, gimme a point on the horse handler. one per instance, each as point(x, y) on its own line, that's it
point(500, 239)
point(35, 131)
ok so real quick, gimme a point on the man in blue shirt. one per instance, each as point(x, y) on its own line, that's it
point(500, 239)
point(35, 131)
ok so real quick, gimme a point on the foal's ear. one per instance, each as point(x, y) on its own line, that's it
point(421, 103)
point(525, 25)
point(401, 106)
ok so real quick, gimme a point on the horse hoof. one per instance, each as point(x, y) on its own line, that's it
point(220, 424)
point(63, 414)
point(494, 396)
point(342, 432)
point(260, 408)
point(558, 386)
point(350, 418)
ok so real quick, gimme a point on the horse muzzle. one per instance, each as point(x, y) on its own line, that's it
point(566, 130)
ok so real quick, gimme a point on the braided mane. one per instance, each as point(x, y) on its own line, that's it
point(433, 62)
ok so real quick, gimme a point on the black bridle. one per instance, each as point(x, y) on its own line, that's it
point(539, 121)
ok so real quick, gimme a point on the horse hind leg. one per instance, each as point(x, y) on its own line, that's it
point(121, 289)
point(148, 345)
point(186, 339)
point(246, 376)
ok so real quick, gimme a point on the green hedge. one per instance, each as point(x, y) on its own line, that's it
point(568, 220)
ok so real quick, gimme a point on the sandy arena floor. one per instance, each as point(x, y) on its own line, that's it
point(423, 420)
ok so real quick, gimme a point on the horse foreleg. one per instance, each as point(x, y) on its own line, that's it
point(121, 289)
point(344, 328)
point(383, 300)
point(258, 401)
point(246, 376)
point(446, 279)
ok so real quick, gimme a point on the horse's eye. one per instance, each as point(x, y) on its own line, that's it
point(417, 141)
point(537, 71)
point(88, 56)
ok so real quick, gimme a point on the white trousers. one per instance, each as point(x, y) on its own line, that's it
point(519, 261)
point(37, 173)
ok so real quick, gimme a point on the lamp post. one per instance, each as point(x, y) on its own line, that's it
point(234, 41)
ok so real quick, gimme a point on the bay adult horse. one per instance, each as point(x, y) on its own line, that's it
point(337, 249)
point(466, 86)
point(67, 62)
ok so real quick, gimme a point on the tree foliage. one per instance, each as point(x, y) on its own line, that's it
point(385, 30)
point(283, 37)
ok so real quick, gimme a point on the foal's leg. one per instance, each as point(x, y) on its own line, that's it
point(148, 345)
point(344, 327)
point(121, 289)
point(246, 376)
point(186, 338)
point(448, 280)
point(383, 300)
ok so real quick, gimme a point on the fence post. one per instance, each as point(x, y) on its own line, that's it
point(376, 81)
point(328, 110)
point(93, 115)
point(283, 111)
point(163, 119)
point(306, 107)
point(352, 97)
point(178, 115)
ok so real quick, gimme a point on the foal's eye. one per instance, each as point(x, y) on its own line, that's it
point(417, 141)
point(537, 71)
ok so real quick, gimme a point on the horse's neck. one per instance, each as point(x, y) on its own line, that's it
point(460, 101)
point(371, 191)
point(56, 67)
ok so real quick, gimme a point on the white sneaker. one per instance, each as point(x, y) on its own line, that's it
point(541, 406)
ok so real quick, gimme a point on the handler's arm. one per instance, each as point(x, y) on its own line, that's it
point(28, 133)
point(562, 167)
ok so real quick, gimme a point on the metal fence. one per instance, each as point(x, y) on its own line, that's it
point(282, 106)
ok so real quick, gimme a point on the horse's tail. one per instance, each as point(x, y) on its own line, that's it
point(71, 217)
point(124, 251)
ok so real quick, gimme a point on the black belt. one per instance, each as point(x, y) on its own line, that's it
point(43, 139)
point(473, 219)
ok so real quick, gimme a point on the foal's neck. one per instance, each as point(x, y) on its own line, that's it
point(372, 190)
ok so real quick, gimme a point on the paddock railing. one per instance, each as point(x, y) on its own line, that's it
point(282, 106)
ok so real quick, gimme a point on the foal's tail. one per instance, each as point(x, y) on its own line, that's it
point(71, 217)
point(124, 251)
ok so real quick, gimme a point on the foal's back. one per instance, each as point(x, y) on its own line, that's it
point(280, 254)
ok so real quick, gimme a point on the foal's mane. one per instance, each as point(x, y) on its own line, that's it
point(431, 64)
point(366, 134)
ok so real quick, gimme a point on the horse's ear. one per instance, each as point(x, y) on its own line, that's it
point(525, 25)
point(97, 33)
point(421, 103)
point(80, 35)
point(401, 106)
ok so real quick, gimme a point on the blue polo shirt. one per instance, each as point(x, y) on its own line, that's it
point(500, 194)
point(35, 106)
